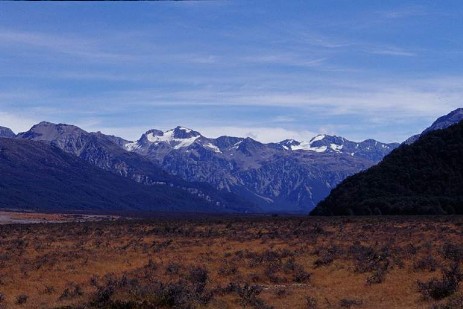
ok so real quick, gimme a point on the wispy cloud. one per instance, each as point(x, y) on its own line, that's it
point(407, 11)
point(244, 69)
point(68, 45)
point(391, 51)
point(284, 59)
point(17, 122)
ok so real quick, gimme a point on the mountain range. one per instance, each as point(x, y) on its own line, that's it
point(227, 174)
point(289, 176)
point(237, 174)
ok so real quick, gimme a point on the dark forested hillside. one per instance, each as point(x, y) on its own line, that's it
point(38, 176)
point(423, 178)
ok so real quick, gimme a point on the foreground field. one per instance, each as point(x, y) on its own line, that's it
point(391, 262)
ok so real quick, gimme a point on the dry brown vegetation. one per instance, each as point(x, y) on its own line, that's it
point(259, 262)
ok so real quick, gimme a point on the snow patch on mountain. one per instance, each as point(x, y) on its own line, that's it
point(307, 146)
point(177, 138)
point(336, 148)
point(212, 147)
point(317, 138)
point(169, 137)
point(132, 146)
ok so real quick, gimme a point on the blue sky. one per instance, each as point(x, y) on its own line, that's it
point(266, 69)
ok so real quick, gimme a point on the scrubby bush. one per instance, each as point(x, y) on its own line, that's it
point(21, 299)
point(427, 263)
point(439, 289)
point(452, 303)
point(347, 303)
point(311, 303)
point(301, 276)
point(72, 291)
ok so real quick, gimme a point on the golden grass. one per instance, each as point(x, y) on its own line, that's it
point(290, 260)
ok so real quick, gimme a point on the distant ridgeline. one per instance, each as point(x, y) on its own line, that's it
point(425, 177)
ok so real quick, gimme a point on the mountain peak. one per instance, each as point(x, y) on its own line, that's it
point(318, 137)
point(442, 122)
point(49, 131)
point(177, 138)
point(6, 132)
point(288, 144)
point(182, 132)
point(446, 121)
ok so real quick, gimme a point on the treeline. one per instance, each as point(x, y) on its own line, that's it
point(425, 177)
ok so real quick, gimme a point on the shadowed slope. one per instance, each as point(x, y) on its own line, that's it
point(38, 176)
point(425, 177)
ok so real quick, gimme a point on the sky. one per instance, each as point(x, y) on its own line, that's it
point(269, 70)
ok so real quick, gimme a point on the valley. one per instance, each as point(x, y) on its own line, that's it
point(231, 154)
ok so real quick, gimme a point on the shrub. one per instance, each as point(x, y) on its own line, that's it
point(228, 269)
point(103, 296)
point(452, 252)
point(427, 263)
point(325, 259)
point(301, 276)
point(49, 290)
point(248, 295)
point(439, 289)
point(452, 303)
point(198, 277)
point(280, 292)
point(377, 276)
point(347, 303)
point(73, 291)
point(21, 299)
point(311, 303)
point(173, 268)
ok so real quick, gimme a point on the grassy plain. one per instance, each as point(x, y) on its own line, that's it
point(234, 262)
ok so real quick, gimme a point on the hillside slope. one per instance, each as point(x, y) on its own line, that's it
point(425, 177)
point(106, 152)
point(38, 176)
point(442, 122)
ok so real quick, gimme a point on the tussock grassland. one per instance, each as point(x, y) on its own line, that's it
point(259, 262)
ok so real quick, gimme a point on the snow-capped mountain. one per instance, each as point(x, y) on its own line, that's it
point(288, 176)
point(441, 123)
point(182, 137)
point(176, 138)
point(368, 149)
